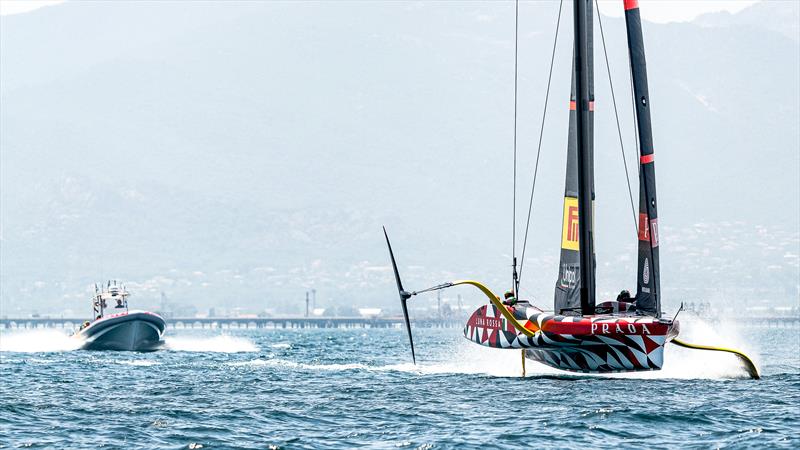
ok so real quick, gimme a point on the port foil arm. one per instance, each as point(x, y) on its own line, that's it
point(495, 300)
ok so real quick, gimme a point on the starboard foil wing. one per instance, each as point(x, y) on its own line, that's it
point(748, 364)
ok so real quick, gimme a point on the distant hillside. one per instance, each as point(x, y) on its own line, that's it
point(241, 153)
point(778, 16)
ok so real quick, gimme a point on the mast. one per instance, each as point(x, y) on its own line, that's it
point(567, 292)
point(648, 277)
point(585, 175)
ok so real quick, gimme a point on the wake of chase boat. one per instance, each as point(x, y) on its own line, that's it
point(123, 330)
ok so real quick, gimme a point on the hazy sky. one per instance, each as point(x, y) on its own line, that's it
point(256, 171)
point(653, 10)
point(8, 7)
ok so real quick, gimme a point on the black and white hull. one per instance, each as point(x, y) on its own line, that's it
point(139, 331)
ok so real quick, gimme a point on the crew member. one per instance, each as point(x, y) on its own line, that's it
point(625, 297)
point(509, 300)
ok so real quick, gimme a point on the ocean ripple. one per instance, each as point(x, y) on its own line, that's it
point(357, 388)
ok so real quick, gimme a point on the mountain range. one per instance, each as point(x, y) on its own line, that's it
point(240, 154)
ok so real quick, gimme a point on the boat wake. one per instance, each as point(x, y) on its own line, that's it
point(217, 344)
point(137, 363)
point(287, 364)
point(686, 363)
point(49, 340)
point(469, 359)
point(37, 341)
point(681, 363)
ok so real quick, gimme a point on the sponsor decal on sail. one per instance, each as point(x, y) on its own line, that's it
point(568, 275)
point(646, 272)
point(644, 231)
point(654, 233)
point(648, 229)
point(571, 231)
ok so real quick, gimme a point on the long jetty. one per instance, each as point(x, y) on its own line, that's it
point(245, 322)
point(320, 322)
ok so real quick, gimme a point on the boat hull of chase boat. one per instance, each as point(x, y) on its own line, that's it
point(588, 344)
point(128, 331)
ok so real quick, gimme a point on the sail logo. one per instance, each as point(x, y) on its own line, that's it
point(646, 272)
point(572, 227)
point(644, 230)
point(569, 275)
point(648, 229)
point(571, 230)
point(654, 233)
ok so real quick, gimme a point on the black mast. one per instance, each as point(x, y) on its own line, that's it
point(585, 175)
point(648, 277)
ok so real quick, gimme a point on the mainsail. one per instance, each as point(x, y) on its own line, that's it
point(648, 277)
point(567, 292)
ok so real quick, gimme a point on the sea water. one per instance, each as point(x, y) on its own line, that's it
point(348, 388)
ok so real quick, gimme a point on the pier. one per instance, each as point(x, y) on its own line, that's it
point(288, 322)
point(295, 322)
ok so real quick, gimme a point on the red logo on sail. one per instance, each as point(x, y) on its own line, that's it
point(572, 223)
point(648, 230)
point(570, 234)
point(644, 230)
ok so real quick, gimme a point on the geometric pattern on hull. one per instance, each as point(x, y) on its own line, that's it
point(591, 344)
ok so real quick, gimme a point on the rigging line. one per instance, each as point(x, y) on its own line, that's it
point(434, 288)
point(514, 206)
point(616, 116)
point(539, 146)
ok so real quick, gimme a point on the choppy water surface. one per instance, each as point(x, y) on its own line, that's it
point(356, 388)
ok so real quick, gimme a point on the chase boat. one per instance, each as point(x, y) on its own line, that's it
point(118, 328)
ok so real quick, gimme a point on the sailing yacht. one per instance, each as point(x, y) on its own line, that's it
point(581, 334)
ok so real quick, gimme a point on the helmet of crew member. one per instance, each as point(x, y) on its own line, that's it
point(508, 295)
point(624, 296)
